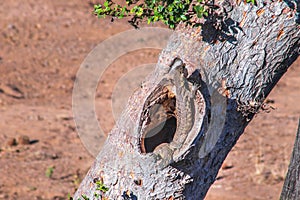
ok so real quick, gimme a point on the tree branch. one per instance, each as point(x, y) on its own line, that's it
point(240, 59)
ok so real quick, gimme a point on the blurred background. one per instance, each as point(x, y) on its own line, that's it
point(42, 44)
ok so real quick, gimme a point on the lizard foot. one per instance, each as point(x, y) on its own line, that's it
point(164, 155)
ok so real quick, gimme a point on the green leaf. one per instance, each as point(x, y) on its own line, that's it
point(84, 197)
point(250, 1)
point(49, 171)
point(199, 10)
point(160, 8)
point(97, 7)
point(139, 12)
point(101, 187)
point(183, 17)
point(106, 3)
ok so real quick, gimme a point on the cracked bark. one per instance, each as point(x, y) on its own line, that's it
point(255, 48)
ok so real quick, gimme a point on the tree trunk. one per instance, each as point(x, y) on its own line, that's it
point(228, 67)
point(291, 186)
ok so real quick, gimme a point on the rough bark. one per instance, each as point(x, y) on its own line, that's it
point(239, 66)
point(291, 186)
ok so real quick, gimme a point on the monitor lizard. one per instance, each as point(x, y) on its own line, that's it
point(185, 92)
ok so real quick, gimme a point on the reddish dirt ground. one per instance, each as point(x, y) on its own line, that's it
point(42, 45)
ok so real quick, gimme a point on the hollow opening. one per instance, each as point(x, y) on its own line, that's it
point(163, 133)
point(161, 120)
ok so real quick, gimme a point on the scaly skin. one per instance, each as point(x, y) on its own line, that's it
point(185, 92)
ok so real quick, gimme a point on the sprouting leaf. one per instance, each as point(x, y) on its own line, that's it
point(200, 10)
point(183, 17)
point(85, 197)
point(160, 8)
point(49, 171)
point(101, 187)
